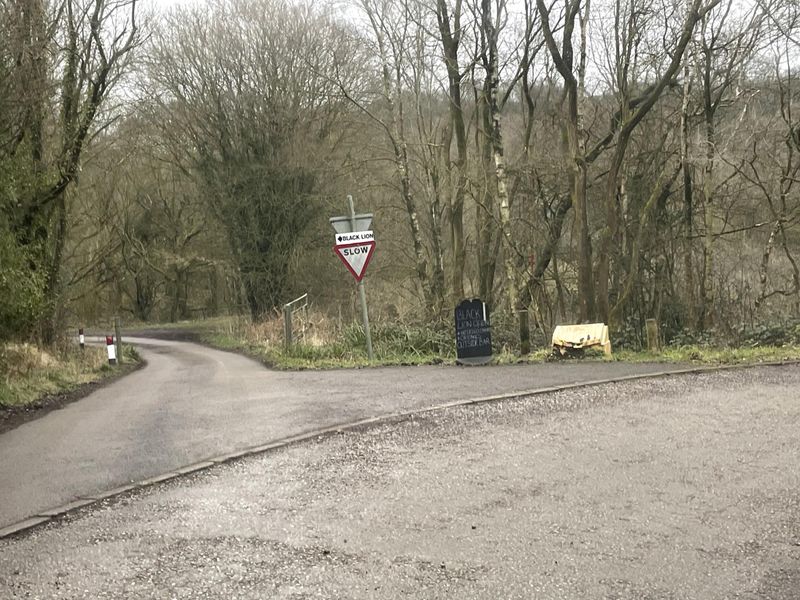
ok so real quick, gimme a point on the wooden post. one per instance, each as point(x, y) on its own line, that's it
point(287, 325)
point(118, 336)
point(524, 332)
point(653, 342)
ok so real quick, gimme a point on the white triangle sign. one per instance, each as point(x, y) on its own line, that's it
point(355, 257)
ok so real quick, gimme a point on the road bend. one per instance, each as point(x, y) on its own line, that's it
point(191, 403)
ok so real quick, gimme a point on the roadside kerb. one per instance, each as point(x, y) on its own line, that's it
point(89, 499)
point(65, 508)
point(159, 478)
point(194, 467)
point(117, 491)
point(22, 526)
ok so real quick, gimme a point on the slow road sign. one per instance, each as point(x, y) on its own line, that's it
point(355, 256)
point(355, 251)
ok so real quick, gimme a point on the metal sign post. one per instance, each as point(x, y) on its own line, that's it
point(351, 224)
point(362, 294)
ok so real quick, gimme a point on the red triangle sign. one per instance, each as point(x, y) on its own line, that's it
point(356, 257)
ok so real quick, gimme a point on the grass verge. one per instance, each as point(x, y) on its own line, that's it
point(325, 344)
point(30, 376)
point(349, 352)
point(709, 355)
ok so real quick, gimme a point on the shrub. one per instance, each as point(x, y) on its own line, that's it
point(771, 334)
point(21, 289)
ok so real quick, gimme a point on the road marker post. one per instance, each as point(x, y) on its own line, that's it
point(81, 339)
point(111, 349)
point(653, 338)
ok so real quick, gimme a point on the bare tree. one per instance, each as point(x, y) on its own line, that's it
point(450, 32)
point(573, 74)
point(633, 108)
point(248, 103)
point(724, 44)
point(390, 28)
point(771, 164)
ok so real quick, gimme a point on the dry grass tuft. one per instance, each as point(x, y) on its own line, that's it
point(313, 329)
point(28, 373)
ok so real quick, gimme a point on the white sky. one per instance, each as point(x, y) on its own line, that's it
point(165, 4)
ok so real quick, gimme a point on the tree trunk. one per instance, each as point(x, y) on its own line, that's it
point(491, 68)
point(610, 230)
point(788, 181)
point(52, 291)
point(546, 256)
point(586, 289)
point(451, 38)
point(437, 280)
point(393, 94)
point(576, 139)
point(707, 298)
point(688, 200)
point(486, 221)
point(763, 270)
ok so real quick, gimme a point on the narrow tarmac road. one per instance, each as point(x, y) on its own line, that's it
point(193, 402)
point(675, 488)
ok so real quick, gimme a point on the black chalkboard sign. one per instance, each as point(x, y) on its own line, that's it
point(473, 333)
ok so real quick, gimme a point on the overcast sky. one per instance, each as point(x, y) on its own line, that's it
point(161, 4)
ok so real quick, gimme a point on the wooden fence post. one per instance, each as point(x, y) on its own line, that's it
point(653, 341)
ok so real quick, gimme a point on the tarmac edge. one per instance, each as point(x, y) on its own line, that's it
point(53, 514)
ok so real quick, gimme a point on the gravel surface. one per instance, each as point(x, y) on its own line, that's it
point(687, 487)
point(191, 403)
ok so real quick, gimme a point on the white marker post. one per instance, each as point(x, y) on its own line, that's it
point(81, 339)
point(112, 350)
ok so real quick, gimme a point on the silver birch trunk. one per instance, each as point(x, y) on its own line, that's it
point(392, 88)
